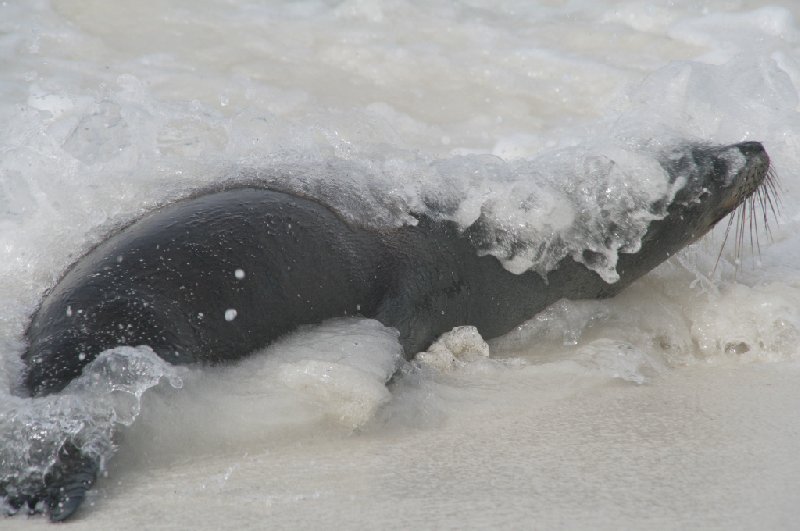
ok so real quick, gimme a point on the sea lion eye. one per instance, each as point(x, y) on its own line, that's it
point(658, 206)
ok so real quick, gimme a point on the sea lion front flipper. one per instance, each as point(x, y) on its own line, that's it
point(61, 491)
point(66, 484)
point(13, 504)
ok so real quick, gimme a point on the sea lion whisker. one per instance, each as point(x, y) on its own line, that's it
point(745, 213)
point(731, 217)
point(766, 196)
point(763, 201)
point(763, 195)
point(774, 188)
point(774, 206)
point(754, 225)
point(738, 231)
point(770, 193)
point(749, 220)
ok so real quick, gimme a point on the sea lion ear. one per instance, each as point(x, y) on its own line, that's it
point(682, 161)
point(659, 206)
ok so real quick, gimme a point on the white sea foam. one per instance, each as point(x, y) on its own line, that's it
point(106, 397)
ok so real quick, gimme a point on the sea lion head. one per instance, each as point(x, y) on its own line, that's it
point(712, 182)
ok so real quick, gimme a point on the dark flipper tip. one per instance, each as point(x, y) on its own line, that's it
point(62, 508)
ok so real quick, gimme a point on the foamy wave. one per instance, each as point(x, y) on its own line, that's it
point(106, 396)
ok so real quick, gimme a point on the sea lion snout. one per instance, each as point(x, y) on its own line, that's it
point(754, 172)
point(751, 149)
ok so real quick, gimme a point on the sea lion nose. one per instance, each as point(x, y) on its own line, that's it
point(750, 149)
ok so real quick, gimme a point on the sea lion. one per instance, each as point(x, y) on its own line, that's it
point(217, 276)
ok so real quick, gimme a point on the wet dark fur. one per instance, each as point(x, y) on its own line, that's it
point(167, 280)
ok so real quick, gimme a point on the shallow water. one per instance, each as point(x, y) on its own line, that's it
point(670, 406)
